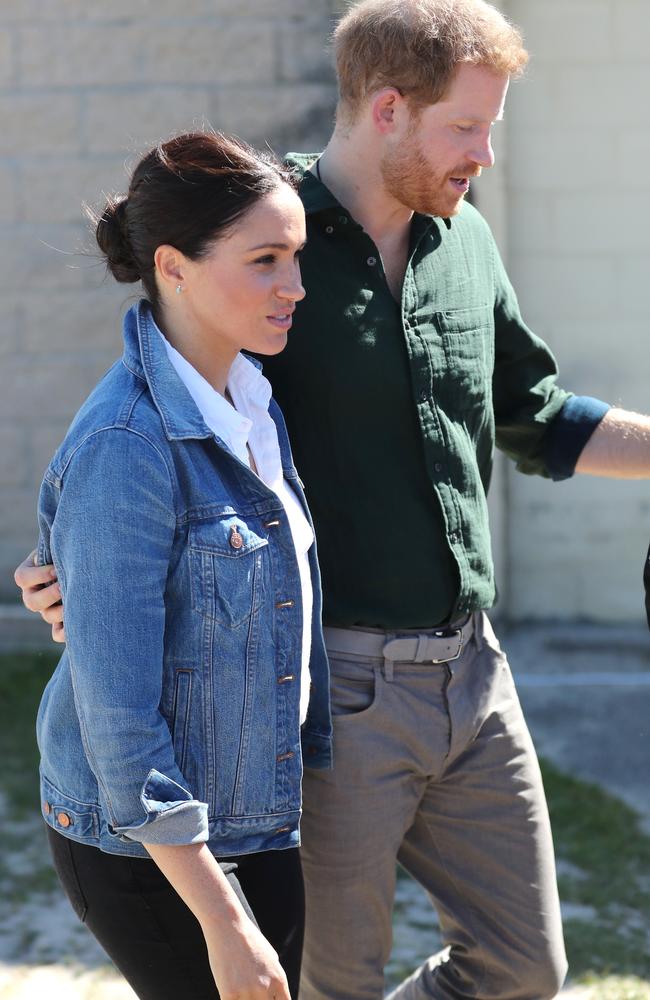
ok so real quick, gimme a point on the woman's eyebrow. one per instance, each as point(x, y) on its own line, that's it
point(275, 246)
point(270, 246)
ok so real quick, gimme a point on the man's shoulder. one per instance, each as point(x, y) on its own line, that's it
point(300, 162)
point(315, 196)
point(469, 223)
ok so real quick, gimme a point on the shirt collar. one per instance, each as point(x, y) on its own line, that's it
point(318, 198)
point(145, 355)
point(246, 384)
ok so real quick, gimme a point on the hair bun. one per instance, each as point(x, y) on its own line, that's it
point(112, 237)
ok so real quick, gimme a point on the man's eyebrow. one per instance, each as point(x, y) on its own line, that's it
point(478, 121)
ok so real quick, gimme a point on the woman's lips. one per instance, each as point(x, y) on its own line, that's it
point(281, 322)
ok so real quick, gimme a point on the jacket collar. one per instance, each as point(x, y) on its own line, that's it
point(145, 356)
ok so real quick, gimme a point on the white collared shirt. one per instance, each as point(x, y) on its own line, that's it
point(245, 425)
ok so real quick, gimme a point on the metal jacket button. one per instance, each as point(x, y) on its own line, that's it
point(236, 539)
point(63, 820)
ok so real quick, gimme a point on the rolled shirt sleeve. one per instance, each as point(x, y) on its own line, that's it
point(569, 432)
point(541, 426)
point(111, 543)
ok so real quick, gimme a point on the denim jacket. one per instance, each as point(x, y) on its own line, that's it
point(173, 714)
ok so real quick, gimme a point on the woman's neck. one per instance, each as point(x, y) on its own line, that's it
point(211, 360)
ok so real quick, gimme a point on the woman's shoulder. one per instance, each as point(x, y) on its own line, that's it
point(120, 405)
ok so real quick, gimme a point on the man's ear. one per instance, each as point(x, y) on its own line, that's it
point(386, 108)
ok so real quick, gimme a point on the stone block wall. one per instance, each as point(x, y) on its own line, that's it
point(85, 85)
point(578, 199)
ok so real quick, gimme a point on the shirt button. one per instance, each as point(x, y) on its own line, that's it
point(329, 230)
point(423, 395)
point(438, 466)
point(343, 219)
point(371, 261)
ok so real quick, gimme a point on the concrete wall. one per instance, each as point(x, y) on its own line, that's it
point(85, 85)
point(578, 187)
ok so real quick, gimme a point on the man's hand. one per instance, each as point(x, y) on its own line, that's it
point(41, 593)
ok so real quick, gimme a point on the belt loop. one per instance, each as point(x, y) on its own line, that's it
point(389, 665)
point(421, 649)
point(478, 629)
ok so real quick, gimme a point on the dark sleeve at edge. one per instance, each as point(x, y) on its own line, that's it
point(569, 432)
point(646, 585)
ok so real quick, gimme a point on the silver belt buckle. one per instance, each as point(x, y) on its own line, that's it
point(447, 659)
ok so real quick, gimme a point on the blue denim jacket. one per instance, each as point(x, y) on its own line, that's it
point(173, 714)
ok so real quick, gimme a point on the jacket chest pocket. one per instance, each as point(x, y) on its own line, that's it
point(226, 564)
point(468, 343)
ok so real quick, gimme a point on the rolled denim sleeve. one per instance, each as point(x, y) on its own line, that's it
point(111, 543)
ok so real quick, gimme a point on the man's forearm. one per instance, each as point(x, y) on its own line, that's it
point(619, 447)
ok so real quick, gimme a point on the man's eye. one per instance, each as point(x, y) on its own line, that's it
point(464, 128)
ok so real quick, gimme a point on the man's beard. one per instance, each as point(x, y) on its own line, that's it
point(413, 182)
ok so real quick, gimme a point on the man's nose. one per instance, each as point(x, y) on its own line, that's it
point(482, 153)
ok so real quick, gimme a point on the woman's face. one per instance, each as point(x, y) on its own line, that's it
point(242, 295)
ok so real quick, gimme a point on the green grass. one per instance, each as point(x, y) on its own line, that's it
point(603, 838)
point(22, 679)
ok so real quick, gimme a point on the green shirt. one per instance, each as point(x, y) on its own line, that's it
point(393, 408)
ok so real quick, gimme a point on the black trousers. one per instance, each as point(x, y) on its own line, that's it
point(151, 935)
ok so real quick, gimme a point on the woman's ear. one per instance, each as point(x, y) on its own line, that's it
point(170, 266)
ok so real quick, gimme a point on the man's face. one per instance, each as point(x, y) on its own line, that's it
point(431, 156)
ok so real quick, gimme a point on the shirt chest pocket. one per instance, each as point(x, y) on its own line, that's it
point(467, 337)
point(226, 565)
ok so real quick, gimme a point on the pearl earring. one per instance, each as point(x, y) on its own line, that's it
point(179, 289)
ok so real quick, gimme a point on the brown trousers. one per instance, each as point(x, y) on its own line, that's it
point(434, 767)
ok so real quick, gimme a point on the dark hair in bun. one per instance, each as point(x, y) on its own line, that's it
point(186, 192)
point(113, 240)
